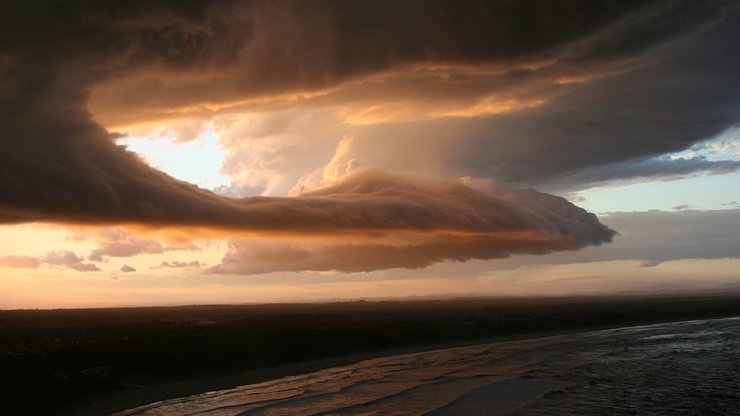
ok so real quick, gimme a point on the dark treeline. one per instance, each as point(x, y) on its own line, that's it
point(52, 361)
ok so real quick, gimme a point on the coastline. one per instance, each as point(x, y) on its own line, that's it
point(154, 393)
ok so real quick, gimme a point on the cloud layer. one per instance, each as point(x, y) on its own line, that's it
point(537, 76)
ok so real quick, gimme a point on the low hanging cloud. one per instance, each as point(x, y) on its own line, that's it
point(250, 257)
point(115, 242)
point(460, 222)
point(127, 269)
point(66, 259)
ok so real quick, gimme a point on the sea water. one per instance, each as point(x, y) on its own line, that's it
point(680, 368)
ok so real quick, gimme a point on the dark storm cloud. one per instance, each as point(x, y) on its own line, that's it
point(506, 222)
point(363, 203)
point(689, 96)
point(57, 164)
point(643, 169)
point(285, 47)
point(676, 92)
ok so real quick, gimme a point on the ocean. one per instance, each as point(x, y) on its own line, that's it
point(679, 368)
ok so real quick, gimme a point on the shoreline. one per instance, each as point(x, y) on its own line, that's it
point(149, 394)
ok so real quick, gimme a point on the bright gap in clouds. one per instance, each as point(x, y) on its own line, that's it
point(197, 161)
point(704, 192)
point(725, 146)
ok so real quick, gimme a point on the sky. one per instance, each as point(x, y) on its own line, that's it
point(199, 152)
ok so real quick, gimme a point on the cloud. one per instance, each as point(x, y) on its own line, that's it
point(658, 236)
point(653, 237)
point(337, 167)
point(84, 267)
point(70, 260)
point(58, 164)
point(127, 269)
point(366, 202)
point(55, 258)
point(211, 54)
point(459, 222)
point(29, 262)
point(245, 257)
point(588, 130)
point(641, 170)
point(115, 242)
point(180, 264)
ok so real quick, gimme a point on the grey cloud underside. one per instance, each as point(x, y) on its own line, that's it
point(643, 169)
point(507, 222)
point(324, 43)
point(682, 92)
point(654, 237)
point(689, 96)
point(245, 257)
point(57, 164)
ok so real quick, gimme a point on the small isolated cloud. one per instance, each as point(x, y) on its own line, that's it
point(180, 264)
point(127, 269)
point(70, 260)
point(84, 267)
point(683, 207)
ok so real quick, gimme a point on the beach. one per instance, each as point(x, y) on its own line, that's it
point(503, 377)
point(177, 389)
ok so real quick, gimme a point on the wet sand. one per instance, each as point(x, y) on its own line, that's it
point(590, 372)
point(510, 395)
point(149, 394)
point(154, 393)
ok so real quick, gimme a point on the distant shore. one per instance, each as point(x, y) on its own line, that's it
point(183, 388)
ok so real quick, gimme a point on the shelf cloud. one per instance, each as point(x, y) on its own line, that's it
point(71, 72)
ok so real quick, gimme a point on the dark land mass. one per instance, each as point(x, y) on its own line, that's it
point(98, 361)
